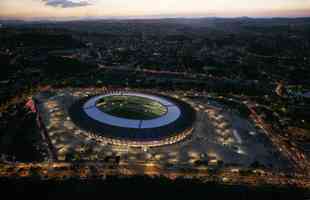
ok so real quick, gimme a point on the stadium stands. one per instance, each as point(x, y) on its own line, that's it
point(152, 135)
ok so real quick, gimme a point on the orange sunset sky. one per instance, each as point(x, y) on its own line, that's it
point(71, 9)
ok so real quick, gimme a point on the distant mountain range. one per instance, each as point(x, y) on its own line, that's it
point(152, 18)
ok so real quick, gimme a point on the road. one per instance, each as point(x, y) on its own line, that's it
point(297, 157)
point(88, 170)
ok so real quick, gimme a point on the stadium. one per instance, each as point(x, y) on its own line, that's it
point(133, 119)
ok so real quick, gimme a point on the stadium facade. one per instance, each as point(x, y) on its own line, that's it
point(170, 127)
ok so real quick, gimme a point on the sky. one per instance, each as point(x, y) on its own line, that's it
point(87, 9)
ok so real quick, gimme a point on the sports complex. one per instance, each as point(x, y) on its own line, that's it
point(177, 129)
point(134, 119)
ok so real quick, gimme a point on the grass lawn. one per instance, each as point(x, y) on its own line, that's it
point(131, 107)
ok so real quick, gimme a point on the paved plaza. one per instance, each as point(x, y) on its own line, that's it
point(220, 137)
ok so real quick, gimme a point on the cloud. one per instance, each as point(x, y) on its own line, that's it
point(67, 3)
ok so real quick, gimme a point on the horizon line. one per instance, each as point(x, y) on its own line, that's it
point(150, 17)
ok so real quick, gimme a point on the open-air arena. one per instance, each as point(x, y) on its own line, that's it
point(174, 130)
point(134, 119)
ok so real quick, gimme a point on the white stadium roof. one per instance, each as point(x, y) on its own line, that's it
point(172, 114)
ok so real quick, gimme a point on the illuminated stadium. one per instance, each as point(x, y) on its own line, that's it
point(133, 119)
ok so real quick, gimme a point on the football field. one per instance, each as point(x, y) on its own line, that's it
point(131, 107)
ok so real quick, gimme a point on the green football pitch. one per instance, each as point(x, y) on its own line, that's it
point(131, 107)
